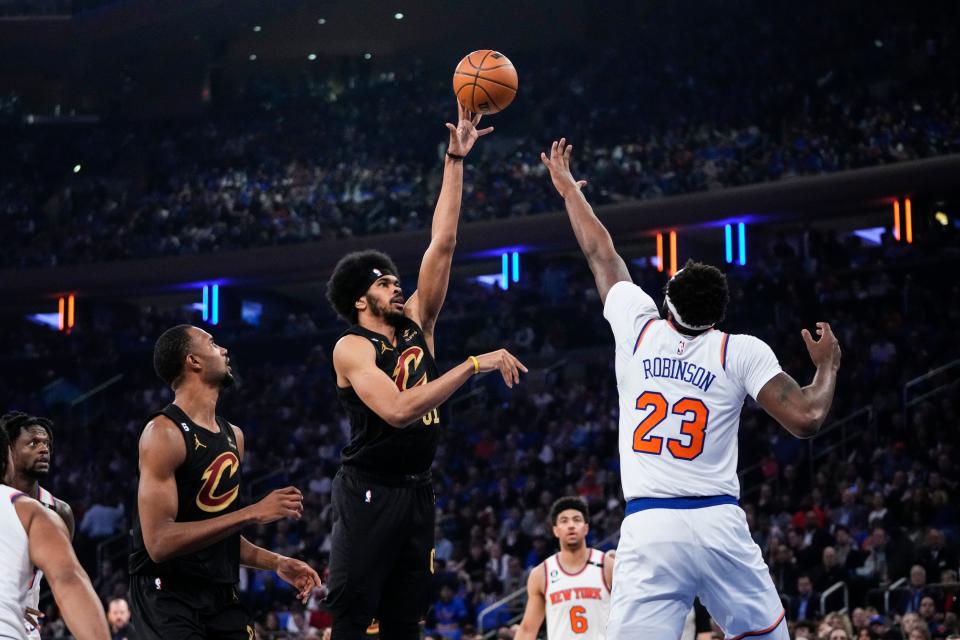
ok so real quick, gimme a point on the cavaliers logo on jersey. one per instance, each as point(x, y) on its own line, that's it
point(406, 370)
point(207, 498)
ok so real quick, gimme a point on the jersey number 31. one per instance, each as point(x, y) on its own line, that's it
point(694, 425)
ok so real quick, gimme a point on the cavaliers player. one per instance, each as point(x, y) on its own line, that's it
point(571, 588)
point(31, 537)
point(187, 547)
point(381, 557)
point(31, 447)
point(682, 385)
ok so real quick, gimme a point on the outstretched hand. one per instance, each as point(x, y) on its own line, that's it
point(465, 133)
point(825, 350)
point(558, 162)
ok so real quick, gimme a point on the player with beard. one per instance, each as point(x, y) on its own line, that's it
point(571, 589)
point(381, 557)
point(31, 445)
point(32, 538)
point(187, 547)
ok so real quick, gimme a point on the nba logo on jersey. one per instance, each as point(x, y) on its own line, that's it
point(680, 347)
point(368, 496)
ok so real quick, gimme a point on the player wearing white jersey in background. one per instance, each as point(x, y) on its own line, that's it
point(682, 385)
point(31, 443)
point(570, 588)
point(31, 536)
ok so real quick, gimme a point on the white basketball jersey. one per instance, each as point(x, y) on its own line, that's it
point(578, 604)
point(33, 593)
point(680, 399)
point(16, 570)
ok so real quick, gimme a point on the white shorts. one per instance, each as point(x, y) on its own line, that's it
point(667, 556)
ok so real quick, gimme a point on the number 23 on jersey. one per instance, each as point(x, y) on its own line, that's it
point(694, 416)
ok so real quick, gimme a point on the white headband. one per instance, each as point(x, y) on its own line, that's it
point(676, 316)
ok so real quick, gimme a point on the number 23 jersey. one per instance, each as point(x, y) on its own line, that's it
point(680, 399)
point(577, 604)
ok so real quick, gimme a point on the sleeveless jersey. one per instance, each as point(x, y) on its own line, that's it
point(680, 399)
point(16, 570)
point(375, 446)
point(208, 486)
point(578, 604)
point(32, 599)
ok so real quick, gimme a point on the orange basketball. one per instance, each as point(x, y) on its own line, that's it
point(485, 81)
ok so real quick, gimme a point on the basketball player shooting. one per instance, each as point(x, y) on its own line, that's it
point(571, 588)
point(381, 558)
point(682, 384)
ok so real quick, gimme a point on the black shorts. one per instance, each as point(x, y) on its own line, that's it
point(381, 555)
point(164, 609)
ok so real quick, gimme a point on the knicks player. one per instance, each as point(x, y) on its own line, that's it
point(31, 444)
point(682, 384)
point(187, 547)
point(571, 588)
point(381, 556)
point(32, 537)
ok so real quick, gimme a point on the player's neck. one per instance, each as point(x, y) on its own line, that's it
point(572, 560)
point(378, 324)
point(199, 402)
point(24, 483)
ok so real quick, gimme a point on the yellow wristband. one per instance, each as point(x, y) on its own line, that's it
point(476, 364)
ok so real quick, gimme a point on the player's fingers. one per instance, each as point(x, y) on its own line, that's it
point(476, 118)
point(581, 183)
point(521, 366)
point(483, 132)
point(553, 150)
point(567, 152)
point(505, 372)
point(543, 159)
point(807, 338)
point(563, 145)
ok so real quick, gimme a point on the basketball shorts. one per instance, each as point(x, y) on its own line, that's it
point(166, 609)
point(381, 555)
point(673, 550)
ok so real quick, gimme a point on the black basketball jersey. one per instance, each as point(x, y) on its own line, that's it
point(208, 486)
point(374, 445)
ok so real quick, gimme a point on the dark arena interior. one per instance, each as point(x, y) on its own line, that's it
point(210, 162)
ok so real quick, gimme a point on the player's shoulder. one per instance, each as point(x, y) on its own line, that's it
point(162, 435)
point(537, 578)
point(352, 345)
point(742, 343)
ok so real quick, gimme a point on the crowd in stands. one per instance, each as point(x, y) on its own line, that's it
point(328, 155)
point(879, 509)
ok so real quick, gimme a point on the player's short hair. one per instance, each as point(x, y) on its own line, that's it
point(170, 351)
point(569, 502)
point(699, 293)
point(351, 278)
point(16, 422)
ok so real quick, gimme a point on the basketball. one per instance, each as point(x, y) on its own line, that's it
point(485, 81)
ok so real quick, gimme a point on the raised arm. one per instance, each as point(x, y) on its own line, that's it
point(802, 410)
point(354, 360)
point(161, 451)
point(536, 609)
point(424, 305)
point(50, 550)
point(606, 264)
